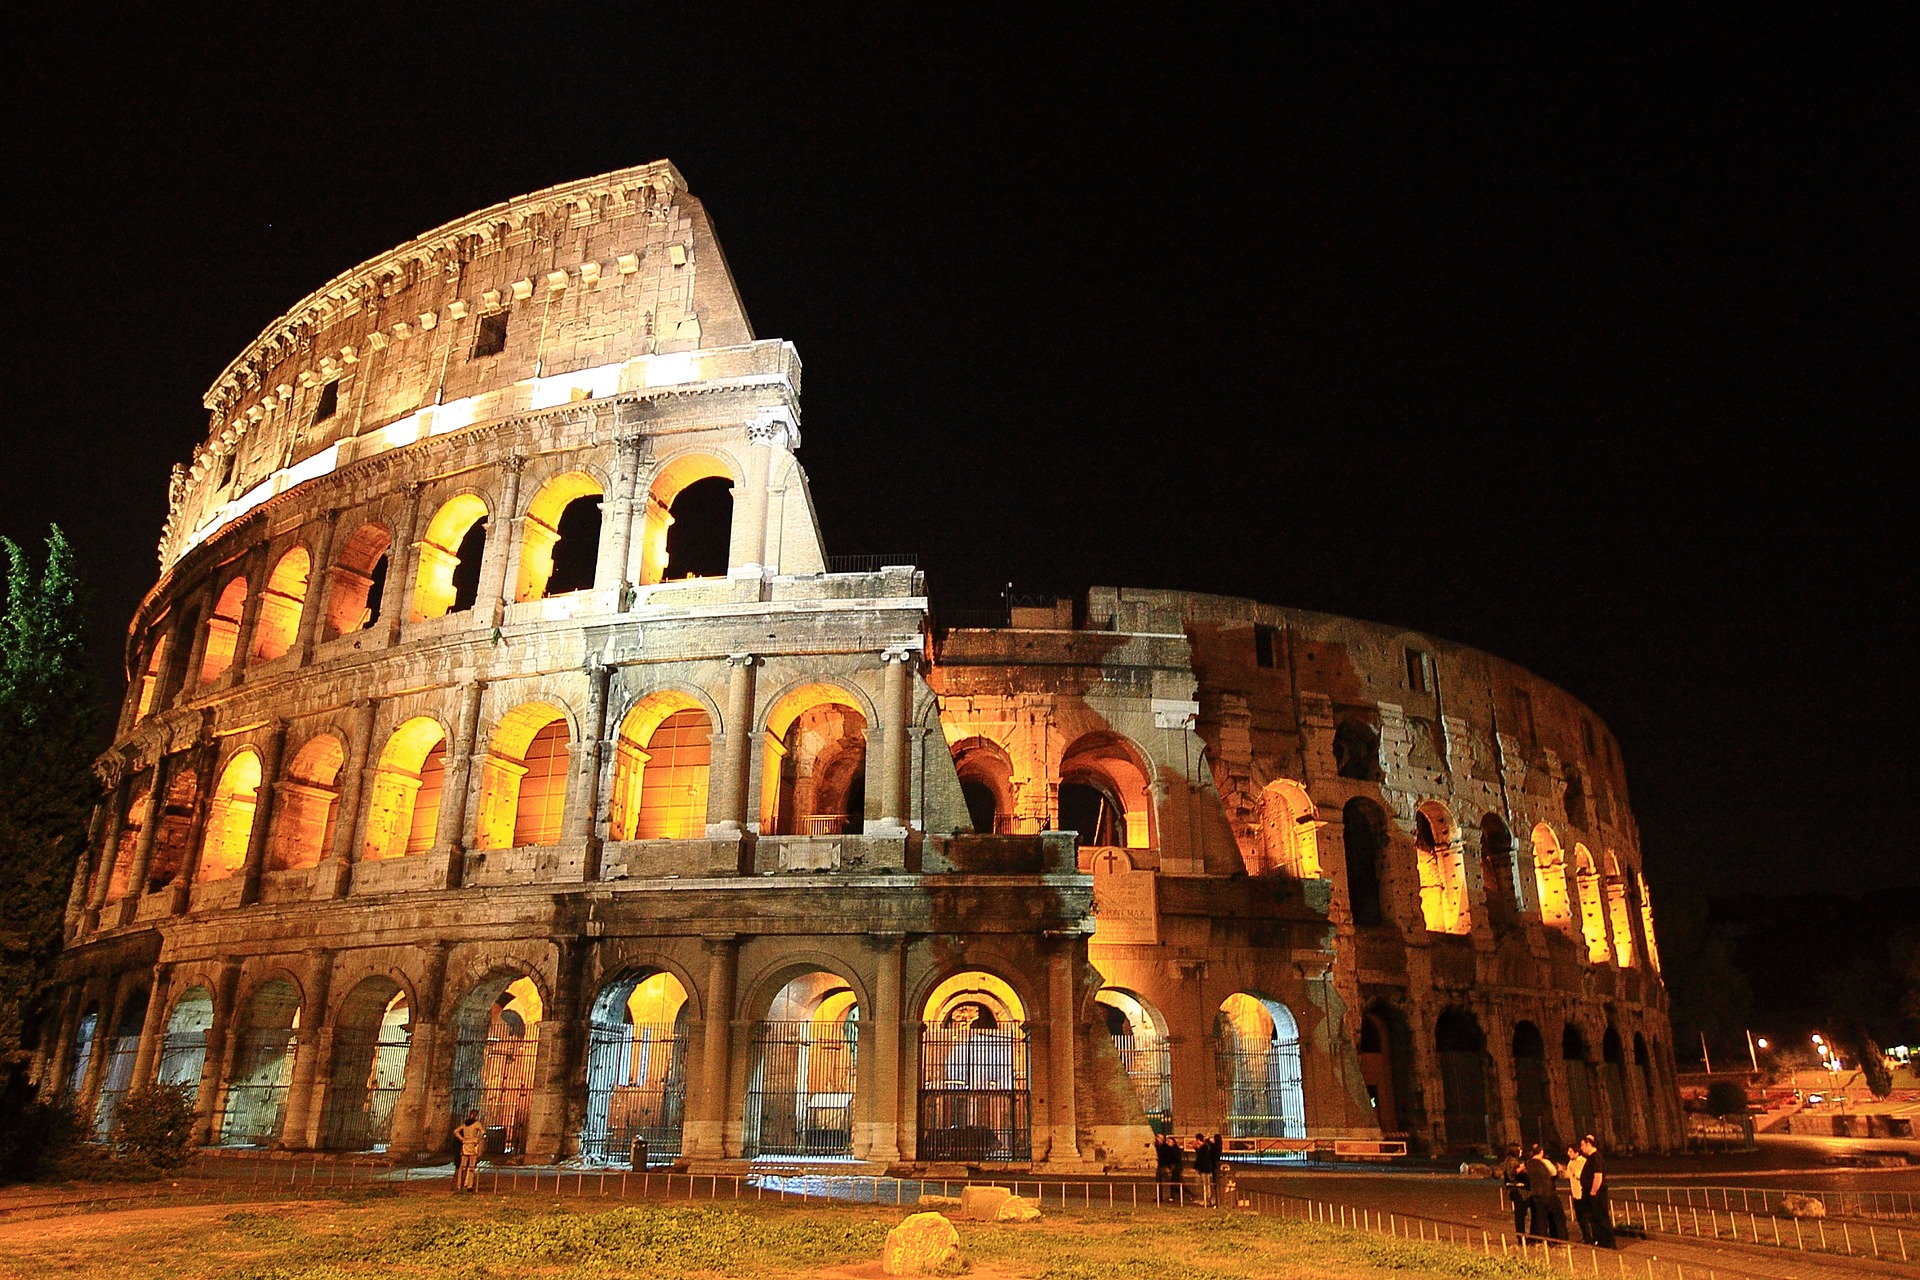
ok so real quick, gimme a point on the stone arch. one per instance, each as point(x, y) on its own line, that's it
point(1356, 750)
point(122, 1050)
point(1613, 1079)
point(151, 674)
point(560, 536)
point(183, 1045)
point(636, 1066)
point(975, 1069)
point(523, 780)
point(175, 826)
point(1386, 1065)
point(1139, 1034)
point(1646, 921)
point(223, 630)
point(803, 1065)
point(1289, 843)
point(662, 767)
point(1364, 835)
point(403, 813)
point(449, 553)
point(372, 1035)
point(277, 625)
point(497, 1025)
point(1105, 787)
point(1619, 916)
point(1444, 902)
point(986, 783)
point(358, 579)
point(1550, 878)
point(1256, 1041)
point(268, 1029)
point(133, 817)
point(230, 820)
point(1499, 878)
point(673, 476)
point(1593, 919)
point(1461, 1047)
point(1578, 1065)
point(1531, 1089)
point(307, 804)
point(813, 753)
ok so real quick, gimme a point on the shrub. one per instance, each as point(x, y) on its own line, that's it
point(34, 1135)
point(1725, 1098)
point(154, 1126)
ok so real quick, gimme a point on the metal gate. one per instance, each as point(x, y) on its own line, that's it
point(257, 1098)
point(369, 1068)
point(183, 1057)
point(800, 1095)
point(974, 1099)
point(636, 1088)
point(1149, 1066)
point(1261, 1086)
point(114, 1081)
point(1463, 1077)
point(494, 1074)
point(1536, 1106)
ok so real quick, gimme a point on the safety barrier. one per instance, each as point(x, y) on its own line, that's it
point(1808, 1235)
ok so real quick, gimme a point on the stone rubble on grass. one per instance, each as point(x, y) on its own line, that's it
point(1799, 1206)
point(922, 1245)
point(982, 1204)
point(1017, 1209)
point(938, 1201)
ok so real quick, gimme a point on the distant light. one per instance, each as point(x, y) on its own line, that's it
point(1762, 1042)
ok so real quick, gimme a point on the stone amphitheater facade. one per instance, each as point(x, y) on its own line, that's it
point(455, 774)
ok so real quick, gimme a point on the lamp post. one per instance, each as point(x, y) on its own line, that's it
point(1753, 1055)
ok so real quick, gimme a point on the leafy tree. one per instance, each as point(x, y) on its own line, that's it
point(1725, 1098)
point(155, 1125)
point(47, 786)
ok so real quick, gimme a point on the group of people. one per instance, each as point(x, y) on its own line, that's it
point(1170, 1157)
point(1533, 1189)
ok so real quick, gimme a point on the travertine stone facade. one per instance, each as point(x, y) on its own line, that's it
point(454, 774)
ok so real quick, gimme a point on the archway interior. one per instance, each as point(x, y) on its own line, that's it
point(497, 1035)
point(448, 580)
point(636, 1069)
point(1579, 1072)
point(1139, 1036)
point(1288, 841)
point(805, 1062)
point(117, 1074)
point(1619, 917)
point(1462, 1050)
point(1498, 878)
point(262, 1066)
point(175, 831)
point(975, 1085)
point(1593, 919)
point(700, 530)
point(1104, 794)
point(1443, 874)
point(986, 783)
point(661, 770)
point(1385, 1064)
point(183, 1052)
point(230, 822)
point(1613, 1078)
point(139, 793)
point(523, 781)
point(277, 625)
point(404, 813)
point(307, 805)
point(1530, 1084)
point(813, 775)
point(1257, 1048)
point(371, 1036)
point(83, 1038)
point(223, 631)
point(560, 537)
point(1550, 878)
point(1363, 831)
point(359, 581)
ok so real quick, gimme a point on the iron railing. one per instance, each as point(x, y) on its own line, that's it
point(636, 1089)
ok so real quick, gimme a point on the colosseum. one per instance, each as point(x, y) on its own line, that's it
point(500, 735)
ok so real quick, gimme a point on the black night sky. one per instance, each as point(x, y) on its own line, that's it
point(1586, 343)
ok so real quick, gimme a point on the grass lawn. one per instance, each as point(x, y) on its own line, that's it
point(369, 1236)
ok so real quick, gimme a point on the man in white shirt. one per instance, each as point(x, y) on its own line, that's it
point(1576, 1162)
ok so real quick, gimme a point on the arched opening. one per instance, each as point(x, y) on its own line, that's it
point(404, 811)
point(1462, 1050)
point(1386, 1064)
point(307, 804)
point(700, 530)
point(150, 679)
point(986, 783)
point(179, 648)
point(450, 553)
point(230, 821)
point(1579, 1072)
point(974, 1082)
point(1643, 1063)
point(701, 549)
point(223, 631)
point(371, 1036)
point(1257, 1066)
point(1593, 920)
point(359, 578)
point(268, 1033)
point(1104, 794)
point(1530, 1085)
point(84, 1033)
point(1356, 751)
point(813, 771)
point(1443, 872)
point(1613, 1077)
point(183, 1051)
point(636, 1069)
point(1139, 1036)
point(139, 795)
point(497, 1036)
point(278, 623)
point(170, 841)
point(523, 781)
point(1550, 878)
point(560, 537)
point(1497, 879)
point(117, 1073)
point(1289, 843)
point(1646, 920)
point(802, 1070)
point(1363, 829)
point(1619, 917)
point(661, 770)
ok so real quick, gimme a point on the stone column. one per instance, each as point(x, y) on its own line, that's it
point(256, 862)
point(736, 750)
point(197, 650)
point(109, 851)
point(98, 1052)
point(206, 756)
point(617, 524)
point(221, 1041)
point(888, 1040)
point(1503, 1127)
point(143, 847)
point(256, 575)
point(449, 835)
point(581, 818)
point(748, 549)
point(313, 610)
point(896, 715)
point(334, 875)
point(91, 855)
point(503, 526)
point(1062, 1036)
point(403, 568)
point(62, 1061)
point(154, 1028)
point(307, 1094)
point(409, 1113)
point(549, 1136)
point(710, 1107)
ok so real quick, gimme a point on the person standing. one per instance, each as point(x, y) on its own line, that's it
point(1543, 1198)
point(1219, 1170)
point(1577, 1192)
point(1593, 1174)
point(472, 1137)
point(1205, 1161)
point(1176, 1158)
point(1513, 1174)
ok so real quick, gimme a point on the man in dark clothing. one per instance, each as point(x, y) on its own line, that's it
point(1513, 1174)
point(1176, 1157)
point(1206, 1159)
point(1543, 1198)
point(1593, 1183)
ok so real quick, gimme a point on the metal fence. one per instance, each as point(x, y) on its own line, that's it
point(872, 563)
point(257, 1098)
point(369, 1066)
point(636, 1090)
point(116, 1076)
point(1849, 1203)
point(1844, 1237)
point(800, 1093)
point(974, 1100)
point(494, 1075)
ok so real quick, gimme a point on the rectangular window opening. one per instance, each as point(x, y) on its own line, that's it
point(1419, 671)
point(491, 338)
point(1586, 735)
point(1266, 645)
point(226, 470)
point(329, 401)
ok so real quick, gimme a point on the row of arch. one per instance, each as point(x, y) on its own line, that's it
point(686, 534)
